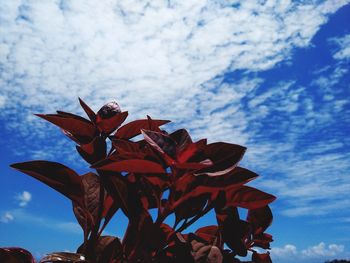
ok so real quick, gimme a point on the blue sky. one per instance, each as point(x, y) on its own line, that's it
point(270, 75)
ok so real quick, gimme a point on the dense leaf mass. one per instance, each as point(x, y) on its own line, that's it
point(133, 175)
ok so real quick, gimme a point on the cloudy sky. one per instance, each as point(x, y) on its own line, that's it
point(270, 75)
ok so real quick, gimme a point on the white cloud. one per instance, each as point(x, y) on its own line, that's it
point(7, 217)
point(2, 101)
point(321, 251)
point(147, 55)
point(343, 51)
point(24, 198)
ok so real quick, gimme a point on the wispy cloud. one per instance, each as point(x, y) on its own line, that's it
point(22, 216)
point(321, 251)
point(343, 49)
point(23, 198)
point(7, 217)
point(143, 54)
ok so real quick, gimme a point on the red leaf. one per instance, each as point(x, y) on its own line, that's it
point(90, 113)
point(260, 219)
point(182, 139)
point(94, 151)
point(248, 197)
point(134, 128)
point(225, 157)
point(163, 143)
point(190, 186)
point(261, 258)
point(234, 230)
point(55, 175)
point(211, 235)
point(76, 128)
point(190, 166)
point(262, 240)
point(132, 166)
point(108, 249)
point(15, 255)
point(191, 150)
point(107, 126)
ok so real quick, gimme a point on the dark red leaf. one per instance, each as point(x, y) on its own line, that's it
point(132, 166)
point(162, 143)
point(108, 249)
point(262, 240)
point(261, 258)
point(234, 230)
point(190, 166)
point(109, 110)
point(110, 207)
point(55, 175)
point(134, 128)
point(116, 186)
point(89, 112)
point(211, 235)
point(225, 157)
point(84, 219)
point(190, 186)
point(80, 130)
point(94, 151)
point(191, 150)
point(248, 197)
point(182, 139)
point(15, 255)
point(260, 219)
point(107, 126)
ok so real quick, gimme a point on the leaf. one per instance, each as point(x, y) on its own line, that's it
point(260, 219)
point(94, 151)
point(191, 150)
point(107, 126)
point(190, 208)
point(89, 112)
point(84, 219)
point(248, 197)
point(55, 175)
point(190, 186)
point(132, 166)
point(205, 253)
point(211, 235)
point(110, 207)
point(76, 128)
point(225, 157)
point(162, 143)
point(262, 240)
point(134, 128)
point(233, 230)
point(261, 258)
point(108, 248)
point(15, 255)
point(182, 139)
point(91, 184)
point(138, 232)
point(63, 257)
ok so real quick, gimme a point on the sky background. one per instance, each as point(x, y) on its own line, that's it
point(270, 75)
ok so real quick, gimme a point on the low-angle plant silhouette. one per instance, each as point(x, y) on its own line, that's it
point(163, 171)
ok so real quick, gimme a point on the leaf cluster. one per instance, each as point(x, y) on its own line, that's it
point(164, 171)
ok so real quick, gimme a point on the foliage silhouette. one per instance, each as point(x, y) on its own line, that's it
point(134, 174)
